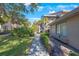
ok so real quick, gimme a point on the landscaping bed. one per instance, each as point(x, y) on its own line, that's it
point(45, 41)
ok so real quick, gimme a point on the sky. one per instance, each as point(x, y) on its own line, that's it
point(46, 8)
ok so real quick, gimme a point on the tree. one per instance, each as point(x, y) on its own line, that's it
point(24, 22)
point(15, 10)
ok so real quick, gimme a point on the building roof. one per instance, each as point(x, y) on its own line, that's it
point(60, 12)
point(68, 15)
point(56, 14)
point(49, 15)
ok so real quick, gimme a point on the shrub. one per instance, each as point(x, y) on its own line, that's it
point(22, 32)
point(45, 39)
point(30, 32)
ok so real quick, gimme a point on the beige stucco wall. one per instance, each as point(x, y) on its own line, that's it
point(52, 30)
point(72, 24)
point(73, 31)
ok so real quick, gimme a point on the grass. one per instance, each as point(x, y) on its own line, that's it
point(12, 46)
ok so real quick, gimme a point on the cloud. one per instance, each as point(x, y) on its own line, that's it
point(67, 6)
point(61, 6)
point(27, 4)
point(50, 8)
point(65, 10)
point(51, 11)
point(33, 19)
point(75, 6)
point(40, 8)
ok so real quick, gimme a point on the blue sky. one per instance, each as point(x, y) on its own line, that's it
point(46, 8)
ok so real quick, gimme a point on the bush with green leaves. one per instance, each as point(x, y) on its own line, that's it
point(45, 39)
point(22, 32)
point(30, 31)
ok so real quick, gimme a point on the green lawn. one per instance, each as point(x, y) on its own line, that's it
point(11, 46)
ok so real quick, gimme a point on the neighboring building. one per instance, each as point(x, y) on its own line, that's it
point(42, 26)
point(9, 26)
point(66, 28)
point(1, 29)
point(51, 18)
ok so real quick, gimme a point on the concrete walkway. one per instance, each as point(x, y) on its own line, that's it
point(37, 49)
point(57, 47)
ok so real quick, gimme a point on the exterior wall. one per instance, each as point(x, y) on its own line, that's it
point(47, 21)
point(52, 30)
point(7, 26)
point(42, 27)
point(1, 29)
point(73, 31)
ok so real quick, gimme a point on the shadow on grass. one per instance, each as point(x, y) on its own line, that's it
point(16, 50)
point(5, 39)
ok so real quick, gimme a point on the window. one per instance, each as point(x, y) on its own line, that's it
point(62, 29)
point(58, 29)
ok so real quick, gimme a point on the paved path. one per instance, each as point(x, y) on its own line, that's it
point(37, 49)
point(56, 48)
